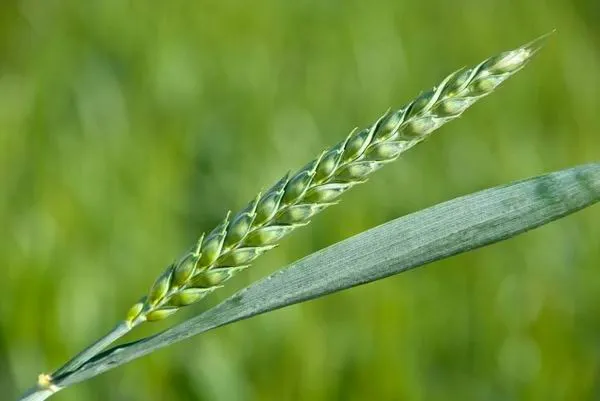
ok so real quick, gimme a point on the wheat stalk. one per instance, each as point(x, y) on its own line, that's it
point(235, 243)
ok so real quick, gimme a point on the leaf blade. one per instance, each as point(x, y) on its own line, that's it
point(443, 230)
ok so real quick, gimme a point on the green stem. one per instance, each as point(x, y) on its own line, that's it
point(44, 390)
point(119, 331)
point(37, 394)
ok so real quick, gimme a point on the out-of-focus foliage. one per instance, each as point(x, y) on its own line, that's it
point(127, 128)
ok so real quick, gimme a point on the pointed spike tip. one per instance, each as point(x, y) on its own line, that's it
point(513, 60)
point(535, 45)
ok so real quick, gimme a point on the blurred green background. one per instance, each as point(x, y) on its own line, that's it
point(127, 128)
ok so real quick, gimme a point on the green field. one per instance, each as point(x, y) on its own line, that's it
point(128, 128)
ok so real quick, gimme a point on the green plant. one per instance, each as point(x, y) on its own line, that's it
point(295, 199)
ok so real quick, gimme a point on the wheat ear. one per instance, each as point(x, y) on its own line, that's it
point(235, 243)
